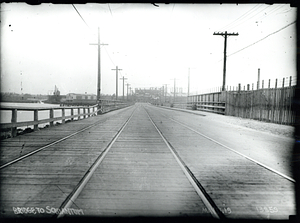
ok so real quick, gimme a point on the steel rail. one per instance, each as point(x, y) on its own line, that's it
point(207, 200)
point(246, 157)
point(84, 180)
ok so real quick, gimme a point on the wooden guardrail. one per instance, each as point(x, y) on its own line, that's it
point(210, 102)
point(209, 106)
point(110, 105)
point(81, 112)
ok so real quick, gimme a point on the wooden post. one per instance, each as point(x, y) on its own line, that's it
point(78, 114)
point(63, 115)
point(258, 78)
point(51, 116)
point(72, 113)
point(281, 104)
point(269, 101)
point(89, 111)
point(290, 102)
point(14, 121)
point(36, 118)
point(274, 102)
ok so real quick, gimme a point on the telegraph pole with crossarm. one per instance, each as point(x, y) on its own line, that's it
point(127, 90)
point(117, 69)
point(123, 78)
point(225, 46)
point(99, 68)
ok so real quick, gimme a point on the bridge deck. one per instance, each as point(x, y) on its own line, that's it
point(136, 161)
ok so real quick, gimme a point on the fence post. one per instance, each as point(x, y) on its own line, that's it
point(72, 113)
point(14, 120)
point(36, 118)
point(274, 104)
point(51, 116)
point(89, 111)
point(290, 115)
point(281, 104)
point(85, 113)
point(78, 111)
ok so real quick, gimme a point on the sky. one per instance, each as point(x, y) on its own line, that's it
point(47, 45)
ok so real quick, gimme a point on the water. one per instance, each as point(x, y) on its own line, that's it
point(22, 116)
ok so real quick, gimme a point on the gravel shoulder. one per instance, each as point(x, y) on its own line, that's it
point(272, 128)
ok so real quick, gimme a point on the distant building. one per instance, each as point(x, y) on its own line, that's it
point(148, 95)
point(81, 98)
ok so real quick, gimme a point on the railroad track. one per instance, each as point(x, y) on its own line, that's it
point(148, 168)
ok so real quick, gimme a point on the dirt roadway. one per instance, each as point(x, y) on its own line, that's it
point(276, 129)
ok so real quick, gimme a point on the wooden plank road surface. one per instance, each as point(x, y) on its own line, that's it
point(46, 178)
point(238, 186)
point(122, 166)
point(140, 177)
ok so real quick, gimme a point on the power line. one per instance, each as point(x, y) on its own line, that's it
point(81, 16)
point(110, 10)
point(248, 18)
point(91, 29)
point(109, 57)
point(270, 12)
point(245, 14)
point(262, 38)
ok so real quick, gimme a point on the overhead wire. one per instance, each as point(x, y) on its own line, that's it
point(245, 14)
point(248, 18)
point(266, 14)
point(270, 12)
point(109, 56)
point(91, 29)
point(262, 38)
point(110, 10)
point(81, 16)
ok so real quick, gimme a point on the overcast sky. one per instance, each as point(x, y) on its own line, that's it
point(47, 45)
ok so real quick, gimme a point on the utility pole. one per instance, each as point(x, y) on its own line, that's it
point(130, 93)
point(162, 93)
point(258, 78)
point(225, 46)
point(166, 92)
point(189, 83)
point(123, 85)
point(116, 81)
point(174, 88)
point(127, 91)
point(99, 67)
